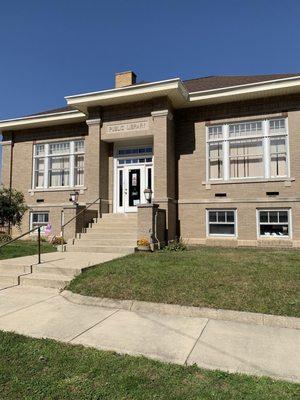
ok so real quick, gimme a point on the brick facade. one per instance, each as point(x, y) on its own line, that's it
point(181, 189)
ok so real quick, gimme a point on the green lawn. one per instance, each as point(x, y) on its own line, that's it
point(24, 248)
point(256, 280)
point(35, 369)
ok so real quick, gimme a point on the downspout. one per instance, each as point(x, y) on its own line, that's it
point(11, 172)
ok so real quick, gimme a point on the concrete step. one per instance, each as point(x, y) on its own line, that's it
point(105, 242)
point(120, 225)
point(119, 230)
point(8, 278)
point(56, 270)
point(45, 280)
point(15, 268)
point(119, 216)
point(101, 249)
point(108, 235)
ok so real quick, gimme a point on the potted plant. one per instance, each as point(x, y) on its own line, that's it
point(143, 245)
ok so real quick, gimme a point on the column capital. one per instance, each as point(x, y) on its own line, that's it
point(94, 121)
point(162, 113)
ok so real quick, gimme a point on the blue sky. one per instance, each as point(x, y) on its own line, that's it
point(50, 49)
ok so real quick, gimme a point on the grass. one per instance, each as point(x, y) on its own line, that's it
point(256, 280)
point(40, 369)
point(24, 248)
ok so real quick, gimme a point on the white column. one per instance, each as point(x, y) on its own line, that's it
point(72, 164)
point(226, 174)
point(266, 149)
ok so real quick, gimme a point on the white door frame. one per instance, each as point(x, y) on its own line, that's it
point(125, 168)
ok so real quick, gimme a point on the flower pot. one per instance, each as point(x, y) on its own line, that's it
point(144, 248)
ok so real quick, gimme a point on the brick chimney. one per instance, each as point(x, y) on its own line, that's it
point(126, 78)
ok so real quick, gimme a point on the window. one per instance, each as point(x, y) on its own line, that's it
point(221, 222)
point(274, 223)
point(59, 164)
point(255, 149)
point(39, 219)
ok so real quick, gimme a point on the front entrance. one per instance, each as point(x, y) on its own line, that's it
point(134, 173)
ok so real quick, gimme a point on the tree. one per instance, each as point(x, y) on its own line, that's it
point(12, 207)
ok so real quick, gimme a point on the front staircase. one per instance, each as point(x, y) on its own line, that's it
point(113, 233)
point(110, 237)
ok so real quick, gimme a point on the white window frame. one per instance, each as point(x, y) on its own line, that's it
point(117, 167)
point(47, 156)
point(289, 211)
point(235, 235)
point(31, 223)
point(265, 136)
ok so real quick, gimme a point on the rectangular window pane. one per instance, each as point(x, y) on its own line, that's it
point(39, 172)
point(246, 158)
point(215, 132)
point(274, 223)
point(79, 146)
point(245, 129)
point(215, 160)
point(263, 216)
point(221, 222)
point(59, 171)
point(221, 229)
point(79, 170)
point(277, 126)
point(39, 149)
point(59, 148)
point(278, 156)
point(39, 220)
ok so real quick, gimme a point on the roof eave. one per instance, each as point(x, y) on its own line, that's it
point(171, 88)
point(251, 91)
point(36, 121)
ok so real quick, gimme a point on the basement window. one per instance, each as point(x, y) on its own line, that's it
point(274, 223)
point(221, 222)
point(39, 219)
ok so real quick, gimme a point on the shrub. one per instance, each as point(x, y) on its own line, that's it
point(176, 245)
point(4, 237)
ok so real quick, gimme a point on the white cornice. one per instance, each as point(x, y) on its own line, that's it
point(171, 88)
point(95, 121)
point(42, 120)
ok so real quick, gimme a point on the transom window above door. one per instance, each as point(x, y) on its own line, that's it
point(58, 164)
point(251, 149)
point(135, 155)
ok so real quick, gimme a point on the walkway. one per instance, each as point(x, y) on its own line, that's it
point(212, 344)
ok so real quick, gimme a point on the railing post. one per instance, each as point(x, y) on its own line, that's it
point(39, 245)
point(62, 238)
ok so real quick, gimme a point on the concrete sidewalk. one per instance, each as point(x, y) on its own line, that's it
point(213, 344)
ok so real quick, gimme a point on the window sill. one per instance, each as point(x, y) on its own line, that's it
point(255, 180)
point(58, 189)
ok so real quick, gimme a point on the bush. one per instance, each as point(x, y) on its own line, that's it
point(176, 245)
point(57, 240)
point(4, 237)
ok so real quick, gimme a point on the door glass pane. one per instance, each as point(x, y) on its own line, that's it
point(149, 178)
point(134, 187)
point(121, 188)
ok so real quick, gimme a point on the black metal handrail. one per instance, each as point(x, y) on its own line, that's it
point(76, 216)
point(38, 228)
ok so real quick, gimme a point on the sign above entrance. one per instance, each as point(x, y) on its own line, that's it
point(132, 126)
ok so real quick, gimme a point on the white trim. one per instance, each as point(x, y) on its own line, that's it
point(95, 121)
point(42, 120)
point(46, 157)
point(289, 223)
point(265, 137)
point(246, 84)
point(258, 88)
point(235, 223)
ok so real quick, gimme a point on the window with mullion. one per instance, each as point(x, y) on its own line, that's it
point(59, 164)
point(245, 150)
